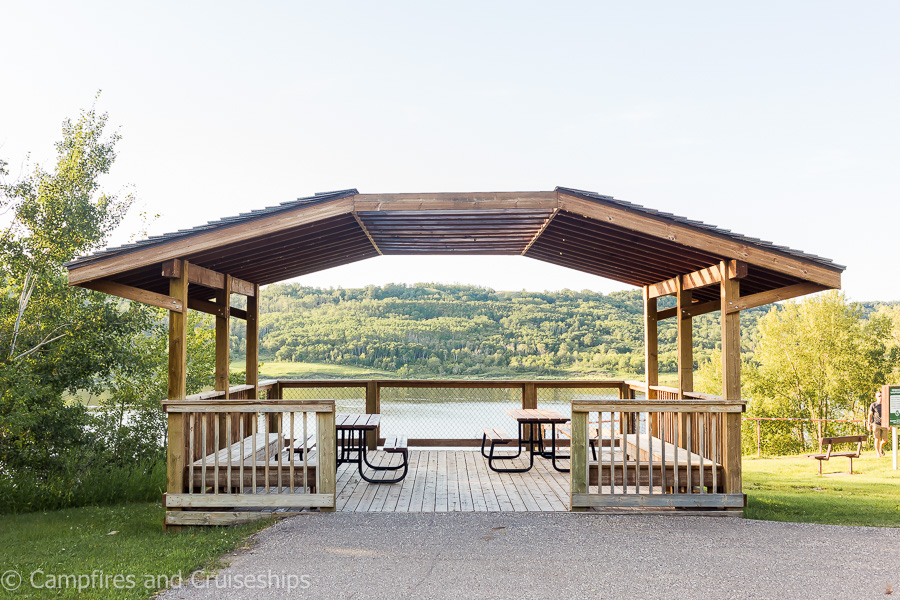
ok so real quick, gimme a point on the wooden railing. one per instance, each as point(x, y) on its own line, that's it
point(656, 453)
point(235, 460)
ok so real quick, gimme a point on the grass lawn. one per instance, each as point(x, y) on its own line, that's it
point(790, 489)
point(78, 542)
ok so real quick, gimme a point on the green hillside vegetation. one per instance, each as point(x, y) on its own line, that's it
point(431, 330)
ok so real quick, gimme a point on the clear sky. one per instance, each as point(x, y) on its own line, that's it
point(779, 119)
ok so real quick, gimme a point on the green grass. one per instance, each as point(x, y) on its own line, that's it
point(77, 541)
point(790, 489)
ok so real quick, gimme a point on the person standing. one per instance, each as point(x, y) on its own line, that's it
point(873, 424)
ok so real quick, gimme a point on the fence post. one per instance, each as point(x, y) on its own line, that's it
point(731, 461)
point(327, 458)
point(373, 407)
point(175, 457)
point(758, 439)
point(579, 479)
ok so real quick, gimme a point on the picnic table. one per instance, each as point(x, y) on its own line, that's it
point(533, 421)
point(351, 446)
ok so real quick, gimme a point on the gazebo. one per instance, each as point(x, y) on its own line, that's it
point(705, 268)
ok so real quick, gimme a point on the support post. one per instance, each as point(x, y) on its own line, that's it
point(651, 353)
point(177, 389)
point(327, 468)
point(223, 341)
point(731, 382)
point(579, 480)
point(685, 344)
point(373, 407)
point(252, 366)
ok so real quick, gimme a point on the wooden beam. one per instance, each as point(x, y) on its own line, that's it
point(135, 294)
point(541, 230)
point(736, 269)
point(731, 384)
point(178, 288)
point(763, 298)
point(694, 310)
point(701, 240)
point(216, 238)
point(207, 278)
point(366, 231)
point(684, 342)
point(252, 365)
point(455, 201)
point(212, 308)
point(175, 445)
point(223, 335)
point(651, 343)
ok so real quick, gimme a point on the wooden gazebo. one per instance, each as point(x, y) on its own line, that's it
point(705, 268)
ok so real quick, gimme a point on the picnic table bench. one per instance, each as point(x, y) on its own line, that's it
point(859, 440)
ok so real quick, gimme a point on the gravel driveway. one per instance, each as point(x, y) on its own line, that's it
point(555, 555)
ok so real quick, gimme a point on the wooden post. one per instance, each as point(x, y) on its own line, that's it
point(685, 341)
point(529, 395)
point(685, 345)
point(731, 380)
point(223, 341)
point(177, 390)
point(579, 476)
point(651, 353)
point(327, 444)
point(178, 288)
point(373, 407)
point(252, 366)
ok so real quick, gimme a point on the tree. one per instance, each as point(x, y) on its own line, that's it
point(818, 358)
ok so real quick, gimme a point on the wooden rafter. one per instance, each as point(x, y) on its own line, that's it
point(541, 230)
point(366, 231)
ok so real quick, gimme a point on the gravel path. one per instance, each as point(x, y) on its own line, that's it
point(556, 555)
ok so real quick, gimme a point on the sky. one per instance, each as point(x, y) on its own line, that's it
point(774, 119)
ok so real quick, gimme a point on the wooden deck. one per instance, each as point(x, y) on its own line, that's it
point(455, 481)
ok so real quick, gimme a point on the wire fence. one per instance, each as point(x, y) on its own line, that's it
point(793, 435)
point(451, 412)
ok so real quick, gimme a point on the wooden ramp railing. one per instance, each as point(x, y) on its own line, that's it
point(681, 453)
point(237, 460)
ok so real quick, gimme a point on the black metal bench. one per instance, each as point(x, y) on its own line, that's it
point(397, 444)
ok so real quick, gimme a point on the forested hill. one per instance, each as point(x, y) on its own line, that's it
point(455, 330)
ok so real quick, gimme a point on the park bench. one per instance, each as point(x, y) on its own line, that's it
point(830, 442)
point(495, 436)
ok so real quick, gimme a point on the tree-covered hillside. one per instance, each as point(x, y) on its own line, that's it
point(456, 330)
